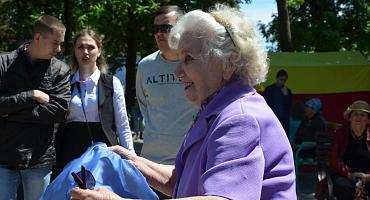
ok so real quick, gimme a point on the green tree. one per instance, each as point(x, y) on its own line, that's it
point(17, 18)
point(325, 25)
point(125, 24)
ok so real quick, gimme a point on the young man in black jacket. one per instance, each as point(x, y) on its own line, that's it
point(34, 96)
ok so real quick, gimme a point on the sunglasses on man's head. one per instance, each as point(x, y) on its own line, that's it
point(161, 28)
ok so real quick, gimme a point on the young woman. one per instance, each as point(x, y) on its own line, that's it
point(97, 111)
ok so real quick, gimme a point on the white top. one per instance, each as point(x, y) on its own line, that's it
point(167, 113)
point(89, 91)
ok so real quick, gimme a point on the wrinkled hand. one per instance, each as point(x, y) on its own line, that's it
point(123, 152)
point(366, 178)
point(98, 194)
point(40, 96)
point(356, 175)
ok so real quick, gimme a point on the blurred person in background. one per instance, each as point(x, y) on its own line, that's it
point(166, 112)
point(279, 98)
point(349, 154)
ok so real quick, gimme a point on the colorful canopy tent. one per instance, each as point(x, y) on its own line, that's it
point(337, 78)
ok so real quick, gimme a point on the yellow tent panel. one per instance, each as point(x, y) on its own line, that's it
point(322, 73)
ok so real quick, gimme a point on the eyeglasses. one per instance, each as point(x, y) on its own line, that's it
point(162, 28)
point(84, 178)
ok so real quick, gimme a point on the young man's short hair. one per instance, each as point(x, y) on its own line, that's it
point(48, 24)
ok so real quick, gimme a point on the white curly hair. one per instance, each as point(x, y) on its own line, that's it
point(223, 32)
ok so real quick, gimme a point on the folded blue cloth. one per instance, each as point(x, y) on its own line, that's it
point(109, 170)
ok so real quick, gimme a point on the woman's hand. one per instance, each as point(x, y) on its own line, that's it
point(366, 178)
point(98, 194)
point(359, 175)
point(353, 176)
point(123, 152)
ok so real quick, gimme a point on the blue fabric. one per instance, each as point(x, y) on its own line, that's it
point(109, 170)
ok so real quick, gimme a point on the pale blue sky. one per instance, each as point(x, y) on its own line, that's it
point(259, 11)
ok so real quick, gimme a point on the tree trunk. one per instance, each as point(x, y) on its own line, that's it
point(68, 22)
point(284, 26)
point(131, 59)
point(320, 10)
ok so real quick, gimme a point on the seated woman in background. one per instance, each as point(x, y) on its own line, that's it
point(236, 148)
point(312, 125)
point(350, 152)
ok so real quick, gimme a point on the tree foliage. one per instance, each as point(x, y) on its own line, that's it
point(17, 17)
point(325, 25)
point(109, 17)
point(125, 24)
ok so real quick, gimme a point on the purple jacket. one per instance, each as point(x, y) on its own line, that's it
point(237, 149)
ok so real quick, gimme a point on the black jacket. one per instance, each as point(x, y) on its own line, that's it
point(27, 128)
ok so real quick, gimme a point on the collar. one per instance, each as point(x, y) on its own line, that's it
point(22, 51)
point(365, 132)
point(93, 77)
point(225, 95)
point(160, 55)
point(206, 102)
point(209, 99)
point(214, 106)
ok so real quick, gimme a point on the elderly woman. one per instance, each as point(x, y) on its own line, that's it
point(350, 152)
point(236, 148)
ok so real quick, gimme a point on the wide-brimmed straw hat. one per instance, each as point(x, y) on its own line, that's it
point(357, 105)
